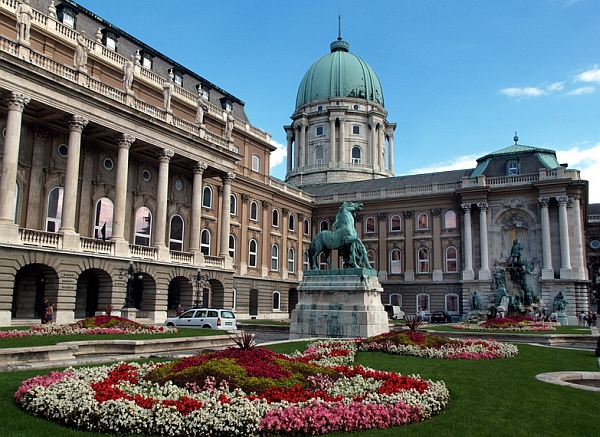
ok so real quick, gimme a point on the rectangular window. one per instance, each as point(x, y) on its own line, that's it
point(68, 20)
point(356, 130)
point(319, 130)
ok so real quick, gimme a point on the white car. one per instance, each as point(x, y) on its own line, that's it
point(210, 318)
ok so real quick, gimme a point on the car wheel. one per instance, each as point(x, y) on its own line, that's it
point(170, 325)
point(207, 327)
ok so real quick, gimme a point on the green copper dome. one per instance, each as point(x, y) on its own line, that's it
point(339, 74)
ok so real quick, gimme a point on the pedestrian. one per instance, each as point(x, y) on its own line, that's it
point(179, 310)
point(43, 308)
point(50, 313)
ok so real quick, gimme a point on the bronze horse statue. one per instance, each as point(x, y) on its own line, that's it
point(342, 237)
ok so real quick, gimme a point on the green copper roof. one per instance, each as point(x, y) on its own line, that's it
point(339, 74)
point(546, 157)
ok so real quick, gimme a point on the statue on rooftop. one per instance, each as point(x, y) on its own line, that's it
point(81, 52)
point(168, 91)
point(202, 108)
point(229, 122)
point(128, 74)
point(24, 14)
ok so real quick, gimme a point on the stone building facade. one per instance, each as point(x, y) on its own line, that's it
point(116, 159)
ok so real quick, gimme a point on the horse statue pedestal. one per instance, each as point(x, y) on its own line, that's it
point(339, 303)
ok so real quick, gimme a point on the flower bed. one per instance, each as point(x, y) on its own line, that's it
point(421, 344)
point(511, 323)
point(233, 392)
point(91, 325)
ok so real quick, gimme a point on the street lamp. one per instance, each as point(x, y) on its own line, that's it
point(130, 273)
point(200, 281)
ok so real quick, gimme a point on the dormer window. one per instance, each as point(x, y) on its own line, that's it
point(227, 104)
point(67, 16)
point(146, 60)
point(110, 39)
point(177, 77)
point(204, 90)
point(512, 167)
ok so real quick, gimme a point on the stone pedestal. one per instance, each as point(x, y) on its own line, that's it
point(339, 304)
point(129, 313)
point(562, 318)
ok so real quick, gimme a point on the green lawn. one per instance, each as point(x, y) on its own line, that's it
point(565, 329)
point(487, 398)
point(48, 340)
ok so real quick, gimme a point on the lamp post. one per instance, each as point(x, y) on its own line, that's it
point(130, 273)
point(200, 281)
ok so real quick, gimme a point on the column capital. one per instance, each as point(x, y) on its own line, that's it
point(408, 214)
point(77, 123)
point(436, 212)
point(562, 200)
point(165, 155)
point(199, 167)
point(265, 204)
point(544, 201)
point(466, 207)
point(285, 211)
point(16, 101)
point(228, 177)
point(289, 134)
point(125, 141)
point(483, 206)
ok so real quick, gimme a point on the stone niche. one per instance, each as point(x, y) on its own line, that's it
point(339, 303)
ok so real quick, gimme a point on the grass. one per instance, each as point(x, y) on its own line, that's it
point(487, 398)
point(49, 340)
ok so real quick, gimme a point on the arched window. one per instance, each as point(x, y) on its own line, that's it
point(254, 211)
point(356, 155)
point(207, 197)
point(324, 225)
point(423, 258)
point(255, 163)
point(276, 300)
point(275, 218)
point(371, 256)
point(205, 242)
point(305, 261)
point(143, 226)
point(450, 220)
point(306, 227)
point(292, 223)
point(370, 225)
point(319, 155)
point(275, 257)
point(54, 209)
point(176, 233)
point(233, 205)
point(232, 247)
point(252, 252)
point(104, 218)
point(423, 302)
point(452, 303)
point(395, 223)
point(423, 221)
point(451, 260)
point(291, 260)
point(395, 299)
point(395, 261)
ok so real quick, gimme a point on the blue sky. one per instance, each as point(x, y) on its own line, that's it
point(459, 77)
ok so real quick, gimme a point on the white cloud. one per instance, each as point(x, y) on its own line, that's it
point(279, 155)
point(459, 163)
point(582, 90)
point(592, 75)
point(556, 86)
point(523, 92)
point(588, 161)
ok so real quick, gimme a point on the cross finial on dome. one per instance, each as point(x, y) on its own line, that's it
point(516, 139)
point(339, 27)
point(340, 45)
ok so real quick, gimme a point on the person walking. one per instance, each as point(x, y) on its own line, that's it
point(50, 313)
point(43, 309)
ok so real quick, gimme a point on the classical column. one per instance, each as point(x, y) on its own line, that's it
point(35, 200)
point(342, 143)
point(300, 248)
point(290, 150)
point(199, 168)
point(566, 272)
point(547, 270)
point(468, 274)
point(15, 103)
point(391, 152)
point(438, 251)
point(76, 125)
point(226, 214)
point(484, 271)
point(124, 142)
point(301, 148)
point(381, 147)
point(162, 189)
point(409, 249)
point(579, 269)
point(333, 154)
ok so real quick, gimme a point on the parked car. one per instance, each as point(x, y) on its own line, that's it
point(441, 317)
point(394, 312)
point(210, 318)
